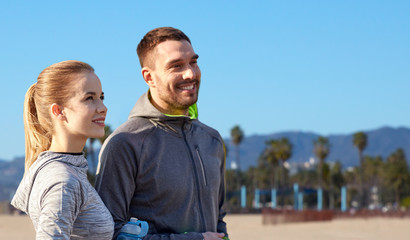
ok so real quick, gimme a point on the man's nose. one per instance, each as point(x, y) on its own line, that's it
point(189, 73)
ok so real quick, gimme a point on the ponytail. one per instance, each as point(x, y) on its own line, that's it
point(37, 138)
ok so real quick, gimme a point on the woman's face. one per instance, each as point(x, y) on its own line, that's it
point(85, 111)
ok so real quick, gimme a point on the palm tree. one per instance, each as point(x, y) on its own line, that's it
point(283, 151)
point(373, 175)
point(270, 158)
point(351, 177)
point(90, 153)
point(232, 186)
point(321, 149)
point(360, 142)
point(107, 132)
point(397, 172)
point(237, 137)
point(336, 182)
point(278, 152)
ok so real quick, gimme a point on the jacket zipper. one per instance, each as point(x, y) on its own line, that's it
point(202, 165)
point(196, 177)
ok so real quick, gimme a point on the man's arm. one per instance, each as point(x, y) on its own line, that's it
point(115, 182)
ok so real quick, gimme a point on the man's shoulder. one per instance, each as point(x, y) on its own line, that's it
point(211, 131)
point(131, 129)
point(134, 125)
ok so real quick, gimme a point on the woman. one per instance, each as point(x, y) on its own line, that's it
point(61, 111)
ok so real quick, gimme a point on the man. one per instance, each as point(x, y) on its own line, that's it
point(163, 165)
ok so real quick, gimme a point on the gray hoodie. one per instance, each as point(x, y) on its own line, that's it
point(60, 201)
point(168, 171)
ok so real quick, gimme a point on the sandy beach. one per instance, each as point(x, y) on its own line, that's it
point(246, 227)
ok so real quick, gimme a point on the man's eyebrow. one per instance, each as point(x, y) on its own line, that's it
point(173, 62)
point(196, 56)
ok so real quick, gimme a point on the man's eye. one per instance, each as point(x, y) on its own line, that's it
point(102, 97)
point(89, 98)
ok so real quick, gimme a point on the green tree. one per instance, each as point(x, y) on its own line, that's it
point(92, 156)
point(321, 150)
point(278, 152)
point(232, 194)
point(373, 177)
point(270, 159)
point(107, 132)
point(283, 151)
point(336, 181)
point(360, 142)
point(352, 179)
point(263, 174)
point(306, 178)
point(237, 137)
point(372, 170)
point(397, 172)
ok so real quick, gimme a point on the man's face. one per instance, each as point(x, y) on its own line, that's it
point(175, 77)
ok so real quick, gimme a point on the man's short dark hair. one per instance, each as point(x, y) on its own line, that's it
point(155, 37)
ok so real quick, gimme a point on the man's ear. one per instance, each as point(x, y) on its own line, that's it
point(57, 112)
point(147, 75)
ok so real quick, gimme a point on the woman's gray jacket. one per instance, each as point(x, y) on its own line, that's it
point(60, 201)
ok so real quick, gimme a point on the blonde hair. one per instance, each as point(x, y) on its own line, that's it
point(53, 86)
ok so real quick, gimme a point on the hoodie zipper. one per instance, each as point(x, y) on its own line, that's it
point(198, 186)
point(201, 164)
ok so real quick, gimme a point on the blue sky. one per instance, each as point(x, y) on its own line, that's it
point(329, 67)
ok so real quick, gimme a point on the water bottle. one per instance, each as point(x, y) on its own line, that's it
point(133, 230)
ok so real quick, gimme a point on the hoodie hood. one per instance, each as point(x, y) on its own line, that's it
point(22, 196)
point(144, 108)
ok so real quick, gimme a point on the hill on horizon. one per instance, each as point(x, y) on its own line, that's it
point(380, 142)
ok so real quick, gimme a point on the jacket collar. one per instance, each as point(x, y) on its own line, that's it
point(144, 108)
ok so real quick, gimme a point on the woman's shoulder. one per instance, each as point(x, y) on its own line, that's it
point(58, 174)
